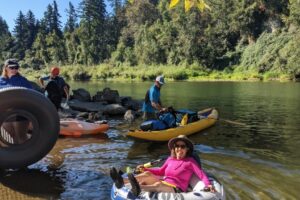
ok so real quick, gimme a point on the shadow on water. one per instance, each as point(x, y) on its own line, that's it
point(141, 148)
point(33, 182)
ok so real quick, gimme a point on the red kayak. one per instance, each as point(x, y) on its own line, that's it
point(77, 128)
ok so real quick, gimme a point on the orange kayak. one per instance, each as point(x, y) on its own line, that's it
point(77, 128)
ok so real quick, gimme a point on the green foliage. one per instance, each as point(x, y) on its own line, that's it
point(141, 72)
point(271, 75)
point(147, 48)
point(289, 56)
point(140, 13)
point(294, 7)
point(56, 48)
point(272, 52)
point(124, 54)
point(76, 72)
point(40, 48)
point(30, 61)
point(6, 41)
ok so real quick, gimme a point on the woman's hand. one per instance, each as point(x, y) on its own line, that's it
point(164, 109)
point(140, 168)
point(210, 188)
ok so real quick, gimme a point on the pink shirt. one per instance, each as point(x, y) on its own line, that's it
point(179, 172)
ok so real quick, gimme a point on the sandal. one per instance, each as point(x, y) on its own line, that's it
point(135, 187)
point(116, 177)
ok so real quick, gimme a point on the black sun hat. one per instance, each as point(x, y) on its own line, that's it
point(11, 63)
point(183, 138)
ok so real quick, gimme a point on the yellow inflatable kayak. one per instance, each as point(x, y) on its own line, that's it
point(77, 128)
point(207, 118)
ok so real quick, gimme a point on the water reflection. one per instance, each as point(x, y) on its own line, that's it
point(152, 149)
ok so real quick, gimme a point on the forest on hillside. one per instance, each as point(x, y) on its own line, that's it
point(260, 36)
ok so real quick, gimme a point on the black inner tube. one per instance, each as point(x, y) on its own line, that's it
point(29, 126)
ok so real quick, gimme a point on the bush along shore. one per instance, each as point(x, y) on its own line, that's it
point(148, 73)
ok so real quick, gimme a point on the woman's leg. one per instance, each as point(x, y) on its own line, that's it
point(145, 178)
point(154, 187)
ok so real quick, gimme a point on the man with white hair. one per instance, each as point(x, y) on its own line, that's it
point(152, 99)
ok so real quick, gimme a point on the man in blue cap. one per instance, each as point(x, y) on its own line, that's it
point(152, 100)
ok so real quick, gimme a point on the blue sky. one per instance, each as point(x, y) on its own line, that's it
point(9, 9)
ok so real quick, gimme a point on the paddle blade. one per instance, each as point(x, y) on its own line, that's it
point(233, 122)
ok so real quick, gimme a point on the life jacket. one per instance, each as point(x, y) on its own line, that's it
point(53, 93)
point(61, 85)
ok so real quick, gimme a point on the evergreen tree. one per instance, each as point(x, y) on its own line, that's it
point(51, 48)
point(139, 16)
point(56, 23)
point(115, 23)
point(6, 41)
point(31, 29)
point(47, 21)
point(71, 38)
point(92, 31)
point(20, 34)
point(3, 27)
point(50, 21)
point(71, 23)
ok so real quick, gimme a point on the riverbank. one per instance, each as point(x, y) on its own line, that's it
point(148, 73)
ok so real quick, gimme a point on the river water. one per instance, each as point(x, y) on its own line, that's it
point(253, 149)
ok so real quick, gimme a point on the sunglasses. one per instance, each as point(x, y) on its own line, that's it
point(180, 146)
point(13, 67)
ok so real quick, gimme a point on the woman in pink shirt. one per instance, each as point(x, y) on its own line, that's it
point(173, 176)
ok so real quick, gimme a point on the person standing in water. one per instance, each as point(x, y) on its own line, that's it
point(152, 103)
point(55, 86)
